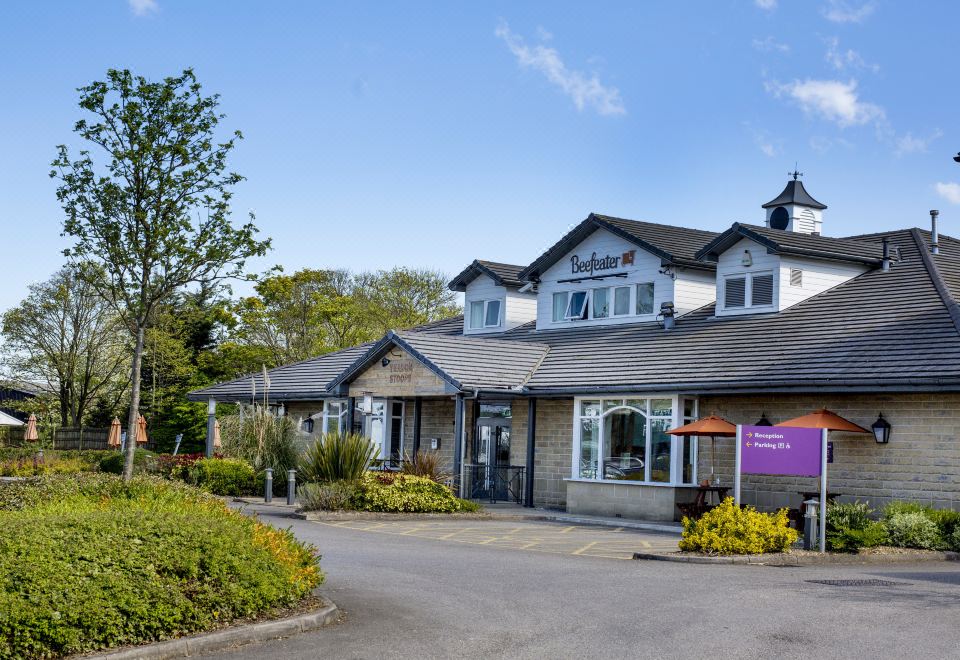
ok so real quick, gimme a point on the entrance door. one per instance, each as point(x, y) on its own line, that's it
point(384, 427)
point(491, 455)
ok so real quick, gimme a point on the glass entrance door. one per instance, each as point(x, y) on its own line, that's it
point(491, 456)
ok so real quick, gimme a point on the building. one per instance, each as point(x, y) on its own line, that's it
point(565, 374)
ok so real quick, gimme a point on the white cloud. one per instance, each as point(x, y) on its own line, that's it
point(949, 191)
point(769, 45)
point(833, 100)
point(910, 144)
point(842, 60)
point(585, 91)
point(143, 7)
point(764, 141)
point(769, 5)
point(842, 11)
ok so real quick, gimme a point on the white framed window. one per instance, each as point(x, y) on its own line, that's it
point(748, 291)
point(645, 298)
point(625, 440)
point(485, 314)
point(334, 415)
point(577, 306)
point(621, 301)
point(601, 303)
point(560, 306)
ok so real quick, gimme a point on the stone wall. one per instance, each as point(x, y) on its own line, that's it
point(554, 448)
point(921, 462)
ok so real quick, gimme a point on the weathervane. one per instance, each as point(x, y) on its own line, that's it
point(795, 173)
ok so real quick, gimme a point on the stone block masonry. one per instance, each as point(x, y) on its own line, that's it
point(921, 462)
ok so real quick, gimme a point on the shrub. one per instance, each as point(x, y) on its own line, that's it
point(327, 496)
point(954, 540)
point(851, 527)
point(220, 476)
point(896, 507)
point(88, 563)
point(728, 530)
point(337, 457)
point(404, 493)
point(32, 467)
point(143, 461)
point(947, 522)
point(427, 464)
point(169, 465)
point(913, 530)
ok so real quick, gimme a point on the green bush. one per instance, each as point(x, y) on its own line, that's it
point(89, 563)
point(731, 530)
point(947, 521)
point(327, 496)
point(143, 461)
point(427, 464)
point(913, 530)
point(337, 457)
point(262, 439)
point(220, 476)
point(396, 493)
point(850, 526)
point(953, 541)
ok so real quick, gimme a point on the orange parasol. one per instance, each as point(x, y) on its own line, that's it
point(113, 438)
point(141, 431)
point(216, 435)
point(30, 433)
point(712, 426)
point(824, 419)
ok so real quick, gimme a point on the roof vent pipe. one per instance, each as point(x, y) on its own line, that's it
point(886, 254)
point(934, 235)
point(667, 312)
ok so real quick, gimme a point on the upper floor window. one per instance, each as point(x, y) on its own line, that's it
point(577, 307)
point(645, 298)
point(485, 314)
point(750, 290)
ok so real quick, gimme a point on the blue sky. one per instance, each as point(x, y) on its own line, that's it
point(429, 134)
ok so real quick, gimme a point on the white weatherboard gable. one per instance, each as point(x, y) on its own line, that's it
point(816, 276)
point(515, 308)
point(645, 268)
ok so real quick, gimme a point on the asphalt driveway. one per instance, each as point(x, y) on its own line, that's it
point(407, 592)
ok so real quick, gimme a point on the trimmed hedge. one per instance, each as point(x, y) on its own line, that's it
point(387, 492)
point(220, 476)
point(89, 563)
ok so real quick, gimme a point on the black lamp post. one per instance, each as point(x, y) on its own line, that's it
point(881, 430)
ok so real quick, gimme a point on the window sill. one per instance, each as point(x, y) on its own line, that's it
point(624, 482)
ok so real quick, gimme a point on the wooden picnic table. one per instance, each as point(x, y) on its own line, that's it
point(700, 504)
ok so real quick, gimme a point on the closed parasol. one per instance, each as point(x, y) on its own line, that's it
point(216, 435)
point(712, 426)
point(141, 431)
point(30, 433)
point(113, 437)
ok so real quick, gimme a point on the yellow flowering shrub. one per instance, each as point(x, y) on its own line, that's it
point(404, 493)
point(732, 530)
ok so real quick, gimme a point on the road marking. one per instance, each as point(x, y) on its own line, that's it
point(580, 551)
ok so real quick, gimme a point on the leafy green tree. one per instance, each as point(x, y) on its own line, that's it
point(65, 338)
point(154, 212)
point(402, 298)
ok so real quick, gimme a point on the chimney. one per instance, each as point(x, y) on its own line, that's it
point(667, 311)
point(934, 235)
point(886, 254)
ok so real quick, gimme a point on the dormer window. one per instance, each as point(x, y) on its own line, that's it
point(753, 288)
point(645, 298)
point(485, 314)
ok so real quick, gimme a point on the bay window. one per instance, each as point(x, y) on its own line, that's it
point(625, 439)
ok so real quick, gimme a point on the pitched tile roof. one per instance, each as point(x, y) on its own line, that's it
point(781, 241)
point(501, 274)
point(674, 245)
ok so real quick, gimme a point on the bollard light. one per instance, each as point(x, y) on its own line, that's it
point(268, 486)
point(811, 538)
point(291, 486)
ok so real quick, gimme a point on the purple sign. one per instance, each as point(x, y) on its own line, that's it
point(780, 450)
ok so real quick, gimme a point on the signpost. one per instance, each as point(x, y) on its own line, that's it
point(782, 450)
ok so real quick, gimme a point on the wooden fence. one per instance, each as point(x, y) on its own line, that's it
point(66, 438)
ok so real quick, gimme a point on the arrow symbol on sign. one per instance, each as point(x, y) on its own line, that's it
point(749, 444)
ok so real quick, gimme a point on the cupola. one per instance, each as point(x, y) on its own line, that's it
point(794, 209)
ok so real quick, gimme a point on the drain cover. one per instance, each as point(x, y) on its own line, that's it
point(859, 583)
